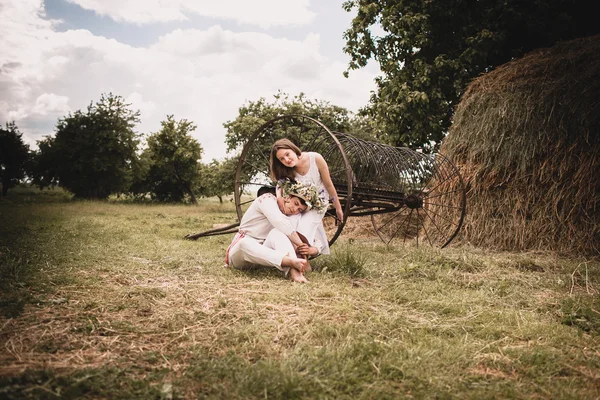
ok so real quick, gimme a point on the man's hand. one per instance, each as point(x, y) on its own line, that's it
point(307, 250)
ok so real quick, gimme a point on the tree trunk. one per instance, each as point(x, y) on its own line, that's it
point(189, 191)
point(5, 184)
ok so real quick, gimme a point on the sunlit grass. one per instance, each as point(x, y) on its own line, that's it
point(106, 300)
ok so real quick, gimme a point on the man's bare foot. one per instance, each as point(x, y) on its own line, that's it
point(297, 276)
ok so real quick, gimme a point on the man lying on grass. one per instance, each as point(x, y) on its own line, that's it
point(267, 235)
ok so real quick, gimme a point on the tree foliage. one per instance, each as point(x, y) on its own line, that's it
point(14, 155)
point(140, 187)
point(430, 50)
point(172, 158)
point(255, 113)
point(217, 178)
point(92, 152)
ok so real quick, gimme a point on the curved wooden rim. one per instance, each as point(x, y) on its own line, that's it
point(237, 191)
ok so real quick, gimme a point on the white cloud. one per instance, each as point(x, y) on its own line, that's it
point(200, 75)
point(51, 104)
point(263, 13)
point(22, 24)
point(137, 102)
point(135, 11)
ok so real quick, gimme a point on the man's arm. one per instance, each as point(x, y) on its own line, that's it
point(268, 206)
point(295, 239)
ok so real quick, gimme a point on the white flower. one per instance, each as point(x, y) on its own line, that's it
point(308, 192)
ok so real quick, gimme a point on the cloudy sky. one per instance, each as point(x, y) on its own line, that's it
point(196, 59)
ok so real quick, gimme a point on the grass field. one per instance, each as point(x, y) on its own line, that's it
point(106, 300)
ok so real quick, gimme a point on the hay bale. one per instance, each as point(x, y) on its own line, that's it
point(526, 137)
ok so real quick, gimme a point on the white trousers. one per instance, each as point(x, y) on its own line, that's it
point(249, 251)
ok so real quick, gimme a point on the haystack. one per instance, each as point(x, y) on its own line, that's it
point(526, 137)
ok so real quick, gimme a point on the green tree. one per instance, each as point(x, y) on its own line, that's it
point(217, 178)
point(255, 113)
point(140, 186)
point(92, 153)
point(364, 127)
point(14, 155)
point(173, 156)
point(430, 50)
point(42, 167)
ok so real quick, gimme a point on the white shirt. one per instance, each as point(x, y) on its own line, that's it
point(262, 216)
point(313, 176)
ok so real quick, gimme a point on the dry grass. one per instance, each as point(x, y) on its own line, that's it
point(114, 304)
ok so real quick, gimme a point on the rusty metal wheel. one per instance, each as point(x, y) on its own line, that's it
point(433, 201)
point(253, 169)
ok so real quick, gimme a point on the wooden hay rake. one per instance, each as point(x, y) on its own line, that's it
point(407, 194)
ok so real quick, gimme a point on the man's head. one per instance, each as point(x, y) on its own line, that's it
point(307, 193)
point(293, 205)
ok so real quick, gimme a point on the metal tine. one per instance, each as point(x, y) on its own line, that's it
point(425, 229)
point(439, 215)
point(432, 221)
point(389, 220)
point(401, 225)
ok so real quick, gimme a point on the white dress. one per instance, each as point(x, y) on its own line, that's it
point(311, 222)
point(262, 237)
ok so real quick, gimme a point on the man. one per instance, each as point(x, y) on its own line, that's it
point(320, 244)
point(266, 235)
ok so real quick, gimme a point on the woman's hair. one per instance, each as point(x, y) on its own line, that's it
point(278, 170)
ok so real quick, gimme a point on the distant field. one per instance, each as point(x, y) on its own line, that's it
point(106, 300)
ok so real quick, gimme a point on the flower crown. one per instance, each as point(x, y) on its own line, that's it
point(307, 192)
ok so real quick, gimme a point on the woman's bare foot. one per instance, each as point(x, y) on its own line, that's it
point(294, 262)
point(297, 276)
point(299, 264)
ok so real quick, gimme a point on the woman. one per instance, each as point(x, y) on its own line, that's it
point(289, 162)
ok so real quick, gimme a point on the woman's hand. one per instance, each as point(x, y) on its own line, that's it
point(328, 184)
point(280, 202)
point(339, 213)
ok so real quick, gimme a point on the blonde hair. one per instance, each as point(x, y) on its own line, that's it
point(278, 170)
